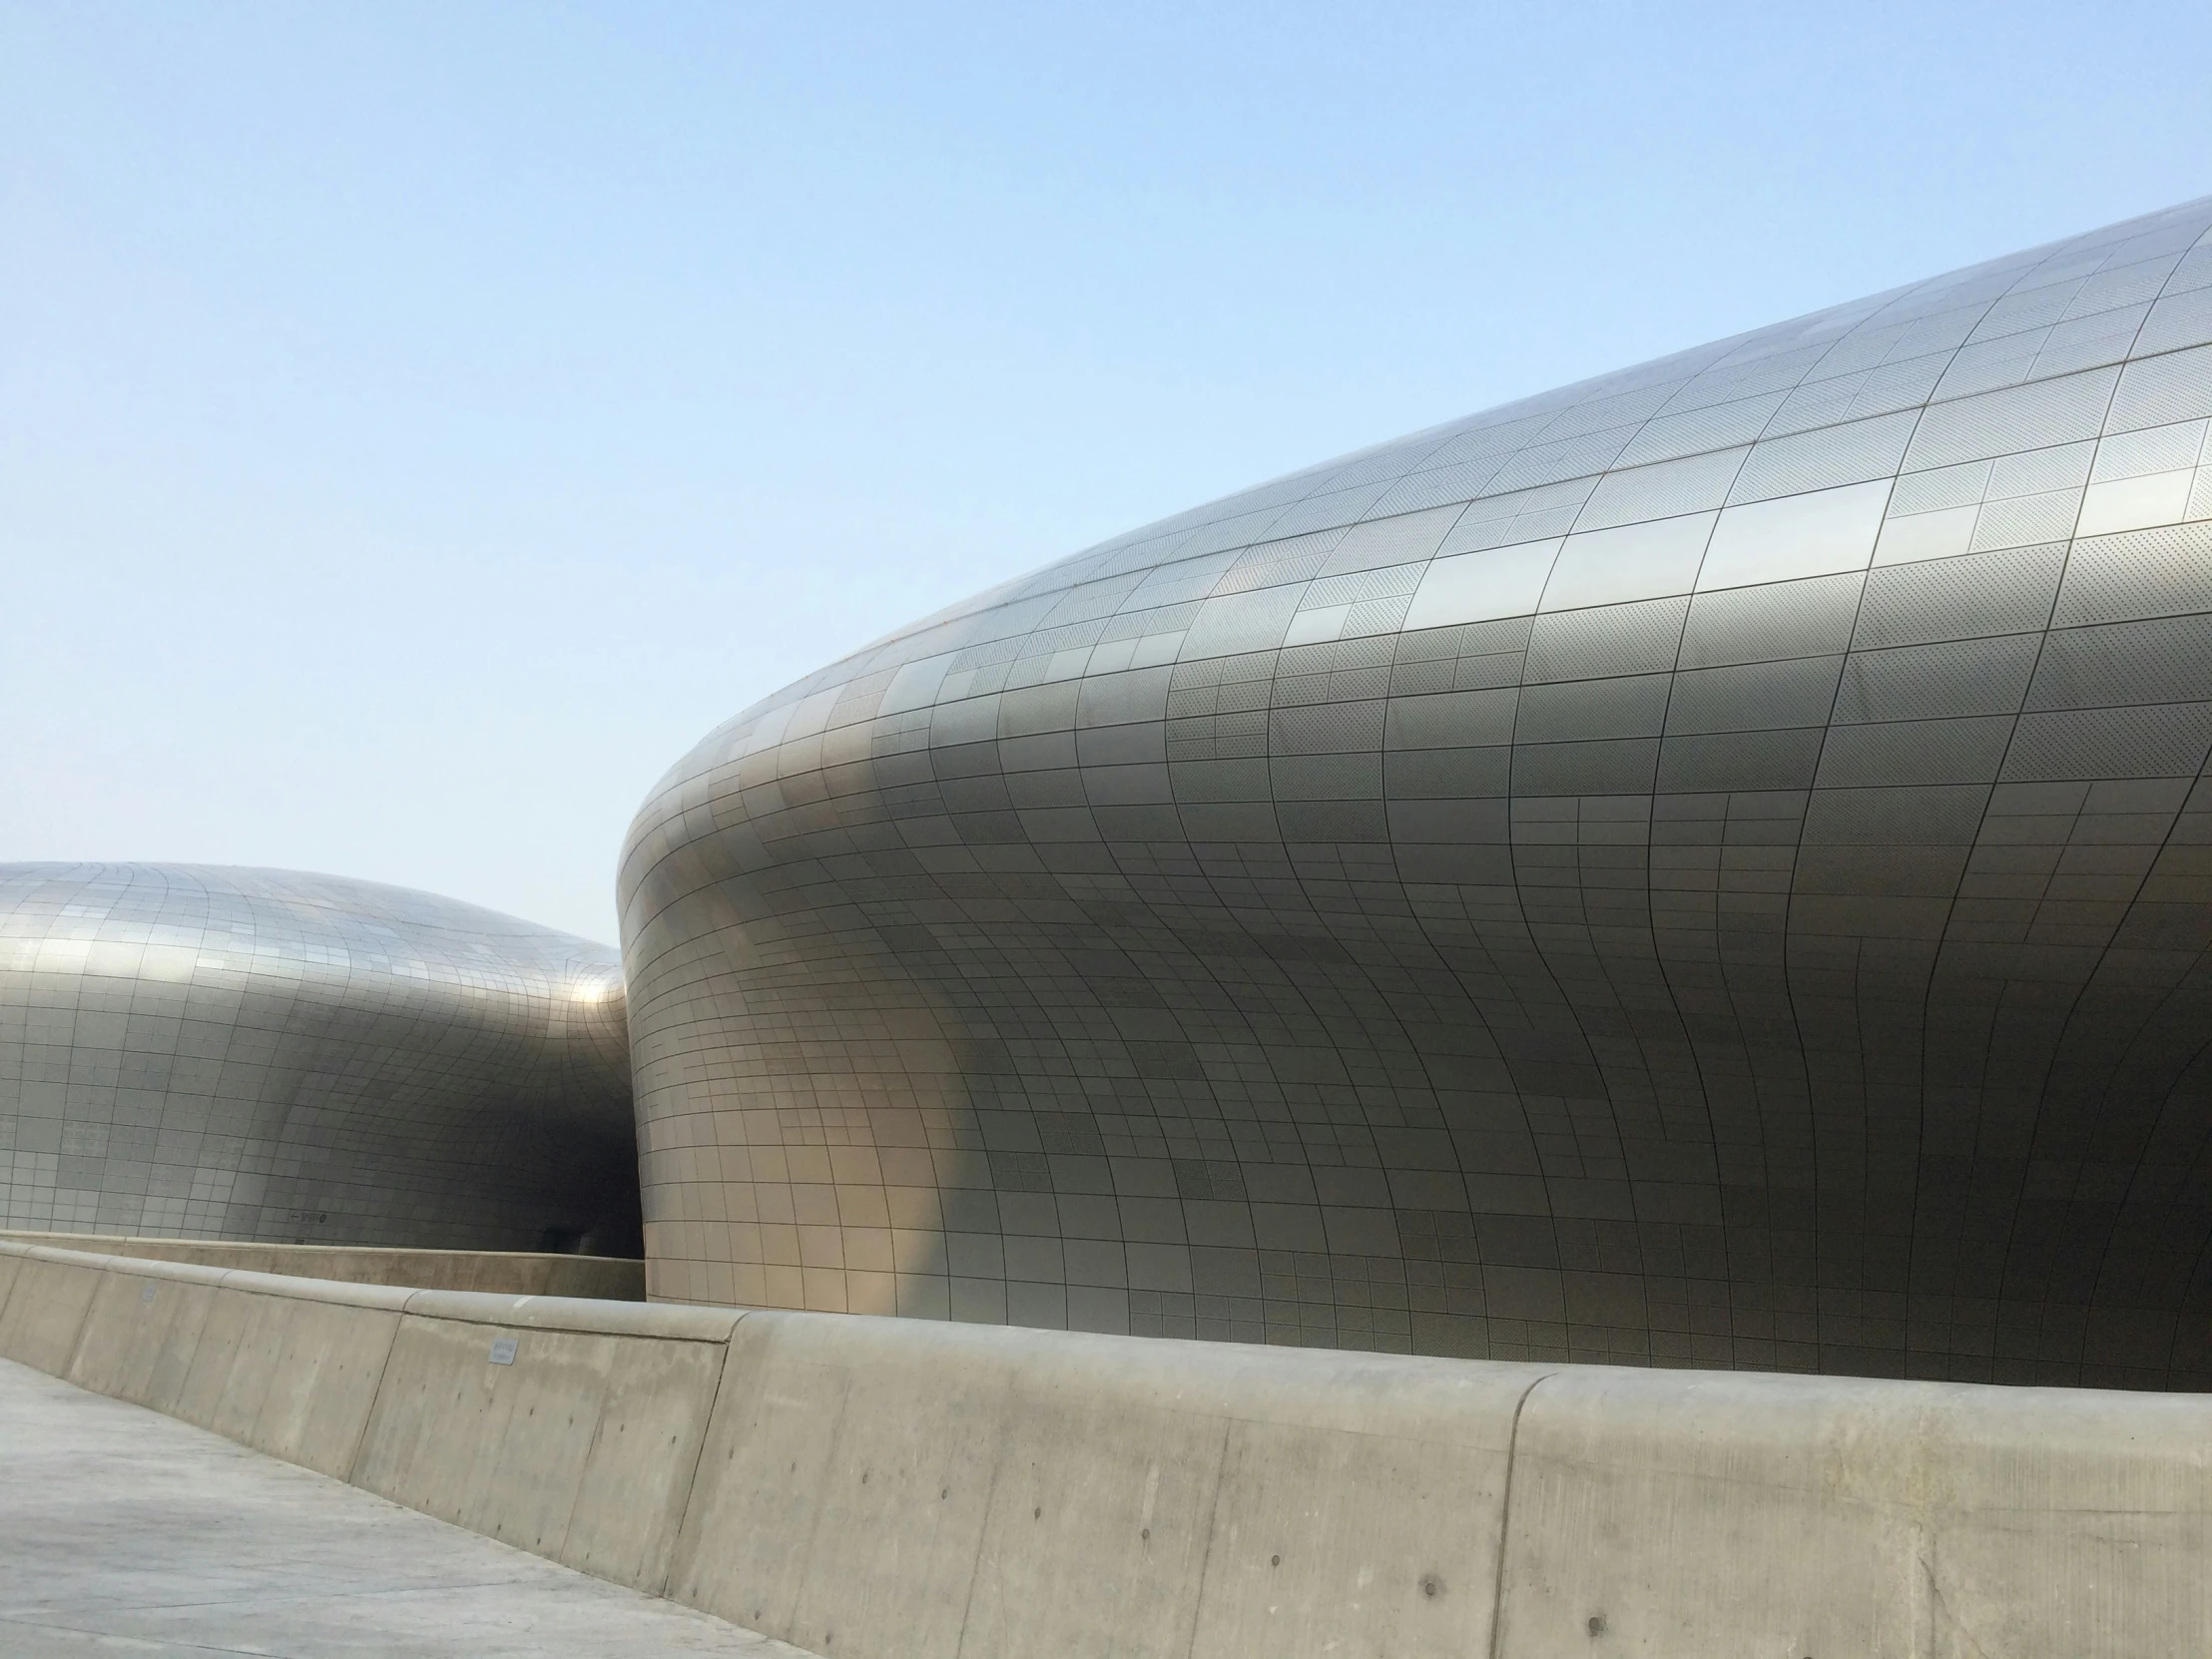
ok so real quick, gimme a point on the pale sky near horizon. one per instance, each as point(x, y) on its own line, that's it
point(421, 423)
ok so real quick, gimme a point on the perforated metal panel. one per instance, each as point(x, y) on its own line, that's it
point(1704, 866)
point(205, 1052)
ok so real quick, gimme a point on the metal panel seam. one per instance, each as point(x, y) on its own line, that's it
point(1229, 1421)
point(84, 1319)
point(691, 1481)
point(375, 1398)
point(1506, 1513)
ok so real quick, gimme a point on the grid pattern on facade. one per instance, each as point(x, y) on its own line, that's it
point(203, 1052)
point(1705, 867)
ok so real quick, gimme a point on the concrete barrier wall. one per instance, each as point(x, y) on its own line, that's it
point(507, 1273)
point(46, 1309)
point(885, 1486)
point(874, 1487)
point(581, 1448)
point(290, 1367)
point(1713, 1514)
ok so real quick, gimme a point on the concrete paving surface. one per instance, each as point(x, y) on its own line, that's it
point(126, 1532)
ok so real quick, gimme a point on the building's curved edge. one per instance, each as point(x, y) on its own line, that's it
point(841, 829)
point(900, 646)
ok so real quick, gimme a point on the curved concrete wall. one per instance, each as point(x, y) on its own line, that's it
point(260, 1054)
point(1708, 865)
point(901, 1489)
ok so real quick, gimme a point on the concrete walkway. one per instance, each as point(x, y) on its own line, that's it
point(126, 1532)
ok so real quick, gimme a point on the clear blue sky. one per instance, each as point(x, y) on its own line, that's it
point(419, 423)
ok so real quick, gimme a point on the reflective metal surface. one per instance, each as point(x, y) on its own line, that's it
point(230, 1053)
point(1703, 867)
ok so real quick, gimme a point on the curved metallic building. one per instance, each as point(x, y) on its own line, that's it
point(207, 1052)
point(1703, 867)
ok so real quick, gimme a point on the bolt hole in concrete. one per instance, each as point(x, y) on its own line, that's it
point(1597, 1624)
point(1429, 1586)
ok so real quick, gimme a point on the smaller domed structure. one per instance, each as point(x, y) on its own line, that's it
point(206, 1052)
